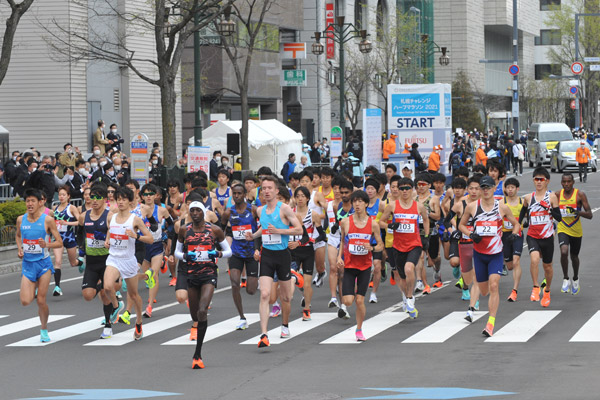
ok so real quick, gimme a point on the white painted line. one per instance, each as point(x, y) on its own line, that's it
point(371, 327)
point(61, 334)
point(297, 328)
point(589, 331)
point(28, 324)
point(215, 331)
point(148, 329)
point(522, 328)
point(444, 329)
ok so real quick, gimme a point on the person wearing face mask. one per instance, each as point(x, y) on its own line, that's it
point(225, 164)
point(215, 165)
point(121, 175)
point(583, 157)
point(100, 138)
point(10, 168)
point(78, 183)
point(96, 152)
point(115, 137)
point(109, 174)
point(433, 164)
point(70, 156)
point(102, 162)
point(43, 179)
point(154, 169)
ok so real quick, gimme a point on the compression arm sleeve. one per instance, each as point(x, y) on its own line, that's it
point(556, 214)
point(523, 214)
point(448, 218)
point(179, 251)
point(169, 221)
point(225, 249)
point(153, 223)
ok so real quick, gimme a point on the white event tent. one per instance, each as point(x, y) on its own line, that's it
point(270, 141)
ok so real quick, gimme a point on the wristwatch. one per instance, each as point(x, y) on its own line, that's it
point(138, 236)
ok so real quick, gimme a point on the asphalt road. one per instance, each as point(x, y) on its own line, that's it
point(534, 353)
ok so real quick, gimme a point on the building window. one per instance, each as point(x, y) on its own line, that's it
point(547, 5)
point(543, 71)
point(359, 14)
point(380, 19)
point(548, 37)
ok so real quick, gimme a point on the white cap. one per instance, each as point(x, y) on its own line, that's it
point(440, 147)
point(197, 204)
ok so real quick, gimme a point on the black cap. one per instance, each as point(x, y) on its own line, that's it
point(487, 181)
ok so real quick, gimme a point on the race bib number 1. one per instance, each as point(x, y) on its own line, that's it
point(270, 238)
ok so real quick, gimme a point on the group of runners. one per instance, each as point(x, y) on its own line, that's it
point(278, 237)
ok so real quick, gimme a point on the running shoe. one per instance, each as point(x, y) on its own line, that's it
point(243, 324)
point(303, 302)
point(359, 336)
point(373, 298)
point(82, 266)
point(150, 279)
point(285, 332)
point(44, 338)
point(148, 311)
point(173, 281)
point(193, 333)
point(575, 288)
point(371, 283)
point(124, 285)
point(535, 294)
point(545, 299)
point(138, 334)
point(125, 318)
point(299, 279)
point(504, 270)
point(411, 309)
point(333, 303)
point(343, 312)
point(164, 267)
point(438, 284)
point(489, 330)
point(470, 315)
point(566, 286)
point(118, 295)
point(513, 296)
point(392, 279)
point(437, 276)
point(466, 295)
point(383, 272)
point(264, 341)
point(543, 285)
point(306, 315)
point(456, 272)
point(35, 295)
point(243, 283)
point(197, 363)
point(114, 317)
point(419, 286)
point(106, 333)
point(476, 307)
point(320, 278)
point(427, 290)
point(275, 311)
point(57, 291)
point(460, 283)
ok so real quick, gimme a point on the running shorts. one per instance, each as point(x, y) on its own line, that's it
point(573, 242)
point(487, 264)
point(401, 258)
point(250, 263)
point(544, 246)
point(304, 256)
point(33, 270)
point(511, 248)
point(93, 275)
point(355, 278)
point(275, 261)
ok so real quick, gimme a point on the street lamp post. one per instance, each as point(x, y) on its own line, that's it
point(577, 16)
point(435, 48)
point(342, 32)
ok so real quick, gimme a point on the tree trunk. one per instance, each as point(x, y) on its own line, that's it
point(168, 100)
point(244, 131)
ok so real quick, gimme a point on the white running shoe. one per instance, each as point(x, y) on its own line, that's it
point(343, 312)
point(285, 332)
point(333, 303)
point(419, 286)
point(106, 333)
point(243, 324)
point(373, 298)
point(566, 286)
point(575, 288)
point(410, 308)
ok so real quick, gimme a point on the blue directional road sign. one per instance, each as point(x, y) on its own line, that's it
point(432, 393)
point(103, 394)
point(513, 70)
point(573, 90)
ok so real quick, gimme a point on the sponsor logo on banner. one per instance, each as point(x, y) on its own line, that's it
point(329, 20)
point(423, 138)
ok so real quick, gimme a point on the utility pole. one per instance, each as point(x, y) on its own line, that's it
point(515, 83)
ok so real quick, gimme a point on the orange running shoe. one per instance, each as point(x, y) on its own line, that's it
point(371, 284)
point(427, 290)
point(513, 296)
point(438, 284)
point(306, 315)
point(194, 333)
point(243, 283)
point(165, 266)
point(138, 334)
point(545, 299)
point(264, 341)
point(535, 294)
point(299, 279)
point(173, 281)
point(197, 363)
point(489, 330)
point(148, 312)
point(392, 279)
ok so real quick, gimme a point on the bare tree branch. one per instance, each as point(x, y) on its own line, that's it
point(12, 22)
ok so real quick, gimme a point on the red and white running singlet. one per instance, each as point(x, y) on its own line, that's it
point(407, 236)
point(488, 225)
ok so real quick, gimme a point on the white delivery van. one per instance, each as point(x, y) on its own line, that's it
point(542, 138)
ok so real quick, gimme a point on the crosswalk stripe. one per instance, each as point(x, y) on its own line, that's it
point(443, 329)
point(589, 331)
point(371, 327)
point(522, 328)
point(60, 334)
point(297, 327)
point(148, 329)
point(214, 331)
point(27, 324)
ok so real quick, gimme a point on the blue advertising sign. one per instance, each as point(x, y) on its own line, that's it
point(416, 105)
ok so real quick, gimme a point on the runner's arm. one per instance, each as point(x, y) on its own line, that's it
point(467, 212)
point(377, 233)
point(18, 238)
point(53, 230)
point(385, 216)
point(587, 210)
point(141, 227)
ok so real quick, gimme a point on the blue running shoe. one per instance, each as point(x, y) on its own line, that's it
point(476, 305)
point(57, 291)
point(575, 288)
point(456, 272)
point(115, 314)
point(466, 295)
point(82, 266)
point(44, 338)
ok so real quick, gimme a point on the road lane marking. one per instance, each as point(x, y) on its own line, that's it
point(523, 327)
point(372, 326)
point(589, 331)
point(215, 331)
point(444, 329)
point(297, 328)
point(61, 334)
point(28, 324)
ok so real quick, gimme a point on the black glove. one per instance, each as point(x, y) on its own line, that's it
point(512, 237)
point(335, 227)
point(572, 211)
point(445, 236)
point(322, 236)
point(305, 238)
point(425, 243)
point(394, 225)
point(475, 237)
point(455, 235)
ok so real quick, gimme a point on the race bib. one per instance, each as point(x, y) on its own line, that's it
point(358, 247)
point(486, 228)
point(507, 224)
point(201, 252)
point(119, 241)
point(406, 226)
point(270, 238)
point(565, 213)
point(92, 242)
point(61, 227)
point(32, 246)
point(239, 232)
point(539, 218)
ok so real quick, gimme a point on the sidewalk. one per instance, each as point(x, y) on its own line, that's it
point(9, 261)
